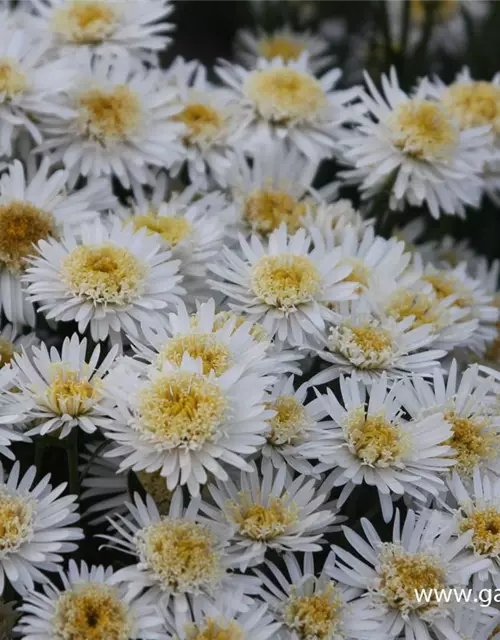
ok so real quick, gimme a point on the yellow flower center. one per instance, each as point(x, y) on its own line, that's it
point(375, 441)
point(104, 274)
point(16, 521)
point(280, 46)
point(285, 95)
point(109, 116)
point(316, 616)
point(473, 442)
point(485, 524)
point(256, 331)
point(91, 611)
point(156, 486)
point(69, 393)
point(172, 229)
point(265, 211)
point(423, 130)
point(261, 522)
point(181, 409)
point(366, 346)
point(6, 351)
point(445, 285)
point(182, 554)
point(12, 81)
point(203, 122)
point(214, 355)
point(82, 22)
point(360, 273)
point(21, 226)
point(403, 574)
point(444, 11)
point(285, 281)
point(474, 104)
point(407, 303)
point(287, 426)
point(215, 630)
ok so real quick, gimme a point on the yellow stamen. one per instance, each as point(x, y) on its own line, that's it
point(69, 393)
point(265, 211)
point(406, 303)
point(85, 22)
point(12, 81)
point(203, 122)
point(262, 522)
point(214, 355)
point(287, 426)
point(172, 229)
point(374, 440)
point(474, 104)
point(109, 116)
point(316, 616)
point(445, 285)
point(474, 444)
point(215, 630)
point(485, 524)
point(283, 47)
point(16, 520)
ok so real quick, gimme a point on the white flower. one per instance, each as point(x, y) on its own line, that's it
point(415, 149)
point(421, 556)
point(31, 85)
point(268, 509)
point(178, 559)
point(33, 208)
point(473, 622)
point(369, 442)
point(184, 423)
point(36, 528)
point(12, 341)
point(282, 43)
point(285, 283)
point(61, 391)
point(10, 414)
point(368, 342)
point(284, 101)
point(119, 123)
point(136, 27)
point(88, 605)
point(312, 605)
point(338, 216)
point(113, 279)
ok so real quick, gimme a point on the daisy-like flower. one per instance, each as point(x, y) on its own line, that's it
point(113, 279)
point(284, 43)
point(284, 101)
point(415, 149)
point(284, 283)
point(136, 27)
point(31, 85)
point(473, 622)
point(369, 442)
point(36, 528)
point(88, 606)
point(119, 122)
point(178, 559)
point(183, 422)
point(225, 619)
point(61, 391)
point(422, 557)
point(466, 405)
point(33, 208)
point(210, 119)
point(267, 509)
point(10, 414)
point(368, 342)
point(12, 342)
point(337, 216)
point(295, 431)
point(312, 605)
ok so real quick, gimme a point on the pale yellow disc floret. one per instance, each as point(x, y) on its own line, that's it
point(215, 356)
point(105, 274)
point(184, 556)
point(266, 210)
point(366, 346)
point(215, 629)
point(202, 121)
point(262, 522)
point(423, 130)
point(485, 525)
point(474, 104)
point(290, 421)
point(16, 521)
point(22, 225)
point(172, 229)
point(12, 80)
point(70, 392)
point(473, 442)
point(285, 281)
point(423, 308)
point(285, 95)
point(109, 116)
point(317, 616)
point(445, 285)
point(91, 611)
point(280, 46)
point(85, 21)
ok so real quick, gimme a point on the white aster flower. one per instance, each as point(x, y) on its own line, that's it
point(119, 123)
point(113, 279)
point(423, 555)
point(31, 85)
point(473, 622)
point(36, 528)
point(368, 342)
point(88, 606)
point(337, 216)
point(284, 43)
point(370, 442)
point(178, 559)
point(312, 605)
point(268, 509)
point(12, 341)
point(136, 27)
point(61, 391)
point(184, 423)
point(33, 208)
point(10, 414)
point(284, 283)
point(284, 101)
point(415, 149)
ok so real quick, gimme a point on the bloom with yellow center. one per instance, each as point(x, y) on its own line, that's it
point(420, 306)
point(473, 104)
point(203, 123)
point(85, 21)
point(277, 46)
point(16, 521)
point(265, 211)
point(366, 346)
point(214, 354)
point(316, 616)
point(215, 630)
point(171, 229)
point(485, 525)
point(12, 80)
point(262, 522)
point(474, 443)
point(287, 426)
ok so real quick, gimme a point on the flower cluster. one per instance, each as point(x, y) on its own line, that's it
point(266, 388)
